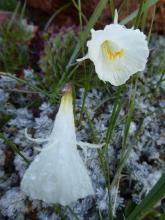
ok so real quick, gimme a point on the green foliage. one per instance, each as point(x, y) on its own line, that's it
point(8, 5)
point(154, 196)
point(14, 148)
point(134, 14)
point(57, 52)
point(129, 208)
point(14, 40)
point(153, 214)
point(84, 35)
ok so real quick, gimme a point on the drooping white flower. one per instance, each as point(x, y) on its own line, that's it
point(58, 174)
point(117, 52)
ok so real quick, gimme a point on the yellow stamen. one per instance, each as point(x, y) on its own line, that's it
point(109, 53)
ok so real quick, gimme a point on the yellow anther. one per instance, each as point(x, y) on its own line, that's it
point(109, 53)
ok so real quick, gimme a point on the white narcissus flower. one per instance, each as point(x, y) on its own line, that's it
point(117, 52)
point(58, 174)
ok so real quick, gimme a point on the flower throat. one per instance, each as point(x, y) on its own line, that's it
point(111, 51)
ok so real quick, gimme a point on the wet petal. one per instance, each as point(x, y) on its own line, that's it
point(58, 174)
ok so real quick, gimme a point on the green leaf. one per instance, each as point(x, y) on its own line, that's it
point(152, 21)
point(112, 7)
point(83, 37)
point(129, 208)
point(26, 82)
point(72, 212)
point(138, 17)
point(125, 154)
point(156, 194)
point(129, 115)
point(130, 17)
point(58, 210)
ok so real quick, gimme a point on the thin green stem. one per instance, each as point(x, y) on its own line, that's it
point(23, 10)
point(133, 15)
point(112, 7)
point(80, 15)
point(125, 152)
point(140, 11)
point(56, 13)
point(83, 106)
point(72, 212)
point(121, 5)
point(59, 212)
point(77, 7)
point(125, 156)
point(115, 114)
point(129, 116)
point(93, 19)
point(35, 88)
point(152, 21)
point(14, 148)
point(14, 15)
point(144, 19)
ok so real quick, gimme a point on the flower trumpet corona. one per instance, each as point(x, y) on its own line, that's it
point(117, 52)
point(58, 174)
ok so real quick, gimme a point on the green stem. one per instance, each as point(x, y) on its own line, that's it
point(36, 88)
point(14, 148)
point(112, 7)
point(140, 11)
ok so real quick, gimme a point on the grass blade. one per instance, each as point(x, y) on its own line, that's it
point(138, 17)
point(125, 156)
point(56, 14)
point(112, 122)
point(14, 15)
point(72, 212)
point(22, 81)
point(112, 7)
point(154, 196)
point(83, 37)
point(14, 148)
point(77, 7)
point(114, 116)
point(58, 210)
point(152, 21)
point(133, 15)
point(129, 116)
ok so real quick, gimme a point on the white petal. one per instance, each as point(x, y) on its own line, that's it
point(37, 140)
point(133, 42)
point(58, 174)
point(98, 37)
point(110, 74)
point(113, 73)
point(134, 45)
